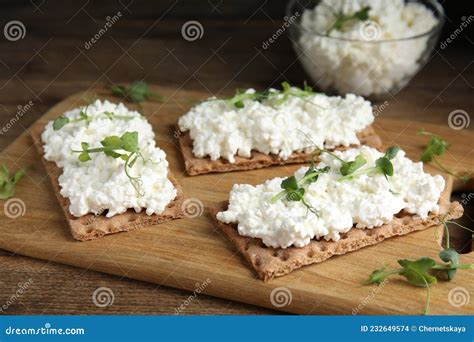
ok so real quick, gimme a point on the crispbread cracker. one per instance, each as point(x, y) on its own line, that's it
point(274, 262)
point(196, 166)
point(90, 226)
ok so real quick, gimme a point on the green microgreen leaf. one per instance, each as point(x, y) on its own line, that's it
point(417, 272)
point(348, 168)
point(8, 182)
point(18, 175)
point(84, 156)
point(112, 141)
point(289, 183)
point(341, 19)
point(111, 147)
point(385, 165)
point(130, 141)
point(293, 188)
point(136, 92)
point(295, 195)
point(287, 90)
point(111, 153)
point(420, 272)
point(379, 275)
point(437, 146)
point(60, 122)
point(391, 152)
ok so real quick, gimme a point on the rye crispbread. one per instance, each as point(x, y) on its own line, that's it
point(90, 226)
point(196, 166)
point(274, 262)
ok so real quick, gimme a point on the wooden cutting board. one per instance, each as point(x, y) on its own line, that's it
point(190, 254)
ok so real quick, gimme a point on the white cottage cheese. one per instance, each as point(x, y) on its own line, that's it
point(367, 201)
point(362, 61)
point(220, 130)
point(101, 183)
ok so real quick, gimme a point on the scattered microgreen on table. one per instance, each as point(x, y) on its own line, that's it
point(8, 182)
point(124, 147)
point(137, 92)
point(437, 146)
point(420, 272)
point(342, 19)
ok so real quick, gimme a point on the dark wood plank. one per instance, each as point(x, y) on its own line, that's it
point(58, 289)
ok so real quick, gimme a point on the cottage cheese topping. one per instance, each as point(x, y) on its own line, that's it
point(220, 130)
point(366, 67)
point(367, 201)
point(101, 183)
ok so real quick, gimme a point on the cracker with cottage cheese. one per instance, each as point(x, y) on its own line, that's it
point(105, 193)
point(332, 215)
point(221, 135)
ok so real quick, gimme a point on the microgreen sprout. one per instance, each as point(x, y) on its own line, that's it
point(293, 189)
point(383, 165)
point(124, 147)
point(420, 272)
point(287, 91)
point(342, 19)
point(62, 120)
point(8, 182)
point(137, 92)
point(437, 146)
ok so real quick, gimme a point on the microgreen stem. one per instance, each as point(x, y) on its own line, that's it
point(124, 147)
point(427, 305)
point(135, 181)
point(359, 172)
point(459, 225)
point(446, 230)
point(317, 150)
point(282, 193)
point(449, 172)
point(448, 267)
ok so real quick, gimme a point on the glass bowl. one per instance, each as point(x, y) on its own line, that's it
point(370, 66)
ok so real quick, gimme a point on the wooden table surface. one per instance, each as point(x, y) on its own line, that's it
point(52, 62)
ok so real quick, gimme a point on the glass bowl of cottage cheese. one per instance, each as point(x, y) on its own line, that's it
point(370, 48)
